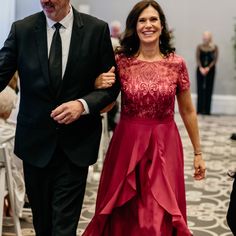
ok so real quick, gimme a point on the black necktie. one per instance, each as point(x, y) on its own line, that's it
point(55, 59)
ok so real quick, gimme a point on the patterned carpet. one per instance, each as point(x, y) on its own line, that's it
point(207, 200)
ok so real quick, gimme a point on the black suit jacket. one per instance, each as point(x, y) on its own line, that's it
point(90, 54)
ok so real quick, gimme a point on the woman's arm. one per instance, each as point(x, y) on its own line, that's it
point(216, 53)
point(105, 80)
point(203, 70)
point(198, 56)
point(189, 117)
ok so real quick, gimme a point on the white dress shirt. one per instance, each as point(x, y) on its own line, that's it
point(65, 33)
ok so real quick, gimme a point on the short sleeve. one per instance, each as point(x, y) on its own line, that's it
point(117, 58)
point(120, 58)
point(183, 81)
point(122, 64)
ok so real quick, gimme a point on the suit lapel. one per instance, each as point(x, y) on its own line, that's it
point(75, 45)
point(41, 41)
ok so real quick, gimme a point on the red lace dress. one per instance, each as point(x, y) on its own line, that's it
point(142, 191)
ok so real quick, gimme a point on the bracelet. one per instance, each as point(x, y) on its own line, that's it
point(197, 153)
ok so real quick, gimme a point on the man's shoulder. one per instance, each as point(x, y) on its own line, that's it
point(31, 19)
point(89, 19)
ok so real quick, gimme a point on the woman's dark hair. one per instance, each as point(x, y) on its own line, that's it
point(130, 40)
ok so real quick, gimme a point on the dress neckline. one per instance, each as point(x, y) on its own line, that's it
point(209, 49)
point(145, 61)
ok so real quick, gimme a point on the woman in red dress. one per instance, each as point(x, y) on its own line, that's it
point(142, 191)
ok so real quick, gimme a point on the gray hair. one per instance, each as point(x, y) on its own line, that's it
point(115, 23)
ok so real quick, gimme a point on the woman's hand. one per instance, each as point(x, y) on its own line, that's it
point(200, 167)
point(105, 80)
point(204, 70)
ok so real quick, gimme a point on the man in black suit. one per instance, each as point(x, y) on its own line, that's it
point(59, 124)
point(231, 215)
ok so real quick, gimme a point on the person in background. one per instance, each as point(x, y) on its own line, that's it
point(115, 29)
point(206, 56)
point(141, 190)
point(7, 102)
point(14, 84)
point(58, 53)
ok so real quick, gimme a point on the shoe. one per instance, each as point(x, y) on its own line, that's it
point(233, 136)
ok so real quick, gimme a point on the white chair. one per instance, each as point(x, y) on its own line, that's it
point(6, 187)
point(104, 141)
point(95, 170)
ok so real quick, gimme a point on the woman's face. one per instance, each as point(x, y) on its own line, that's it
point(149, 26)
point(206, 38)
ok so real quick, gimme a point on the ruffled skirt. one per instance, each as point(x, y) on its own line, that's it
point(142, 191)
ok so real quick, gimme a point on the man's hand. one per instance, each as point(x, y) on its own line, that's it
point(68, 112)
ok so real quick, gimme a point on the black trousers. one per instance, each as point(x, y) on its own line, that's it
point(204, 91)
point(56, 195)
point(231, 215)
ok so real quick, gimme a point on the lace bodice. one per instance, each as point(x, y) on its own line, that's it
point(148, 89)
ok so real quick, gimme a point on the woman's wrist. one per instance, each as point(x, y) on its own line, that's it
point(197, 153)
point(198, 157)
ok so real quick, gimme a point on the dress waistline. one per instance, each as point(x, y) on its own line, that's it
point(147, 120)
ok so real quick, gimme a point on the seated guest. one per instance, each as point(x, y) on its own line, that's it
point(115, 29)
point(15, 86)
point(7, 102)
point(14, 82)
